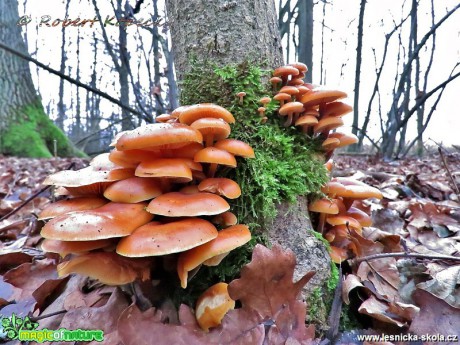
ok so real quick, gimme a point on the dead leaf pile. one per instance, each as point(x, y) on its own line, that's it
point(419, 214)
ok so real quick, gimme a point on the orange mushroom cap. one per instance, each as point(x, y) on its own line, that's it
point(160, 135)
point(212, 306)
point(132, 190)
point(328, 124)
point(175, 168)
point(161, 239)
point(265, 100)
point(226, 240)
point(235, 147)
point(73, 247)
point(362, 217)
point(216, 156)
point(336, 109)
point(225, 219)
point(300, 66)
point(324, 206)
point(306, 120)
point(290, 108)
point(222, 186)
point(330, 144)
point(164, 118)
point(282, 97)
point(345, 139)
point(65, 206)
point(131, 158)
point(108, 268)
point(209, 126)
point(285, 71)
point(321, 96)
point(82, 177)
point(177, 204)
point(290, 90)
point(198, 111)
point(110, 220)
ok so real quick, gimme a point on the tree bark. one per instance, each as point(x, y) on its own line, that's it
point(305, 25)
point(231, 33)
point(224, 32)
point(25, 129)
point(359, 49)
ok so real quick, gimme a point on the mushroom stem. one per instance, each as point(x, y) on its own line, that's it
point(212, 169)
point(261, 111)
point(322, 220)
point(328, 155)
point(288, 121)
point(295, 117)
point(209, 140)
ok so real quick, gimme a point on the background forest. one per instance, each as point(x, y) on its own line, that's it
point(398, 64)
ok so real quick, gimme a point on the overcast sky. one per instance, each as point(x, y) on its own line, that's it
point(339, 51)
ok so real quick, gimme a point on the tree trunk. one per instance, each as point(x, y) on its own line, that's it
point(359, 49)
point(224, 32)
point(232, 32)
point(25, 129)
point(305, 25)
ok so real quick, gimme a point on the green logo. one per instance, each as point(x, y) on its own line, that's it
point(23, 329)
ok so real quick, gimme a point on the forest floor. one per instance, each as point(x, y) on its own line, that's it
point(419, 215)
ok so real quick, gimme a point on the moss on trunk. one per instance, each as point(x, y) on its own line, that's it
point(287, 165)
point(33, 135)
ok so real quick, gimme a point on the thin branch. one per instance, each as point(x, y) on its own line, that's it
point(405, 255)
point(73, 81)
point(29, 199)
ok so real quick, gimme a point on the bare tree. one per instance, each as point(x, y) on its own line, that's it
point(359, 49)
point(25, 129)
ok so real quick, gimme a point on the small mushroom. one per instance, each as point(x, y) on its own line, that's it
point(264, 101)
point(222, 186)
point(323, 207)
point(212, 129)
point(215, 156)
point(241, 95)
point(282, 98)
point(212, 306)
point(275, 82)
point(226, 240)
point(235, 147)
point(290, 110)
point(198, 111)
point(261, 111)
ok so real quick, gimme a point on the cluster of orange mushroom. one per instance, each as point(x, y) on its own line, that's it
point(341, 218)
point(316, 111)
point(162, 171)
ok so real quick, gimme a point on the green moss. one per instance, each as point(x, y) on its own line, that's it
point(33, 135)
point(287, 163)
point(320, 300)
point(348, 320)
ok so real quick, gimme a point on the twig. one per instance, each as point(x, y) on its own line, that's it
point(454, 184)
point(29, 199)
point(24, 203)
point(41, 317)
point(405, 255)
point(336, 310)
